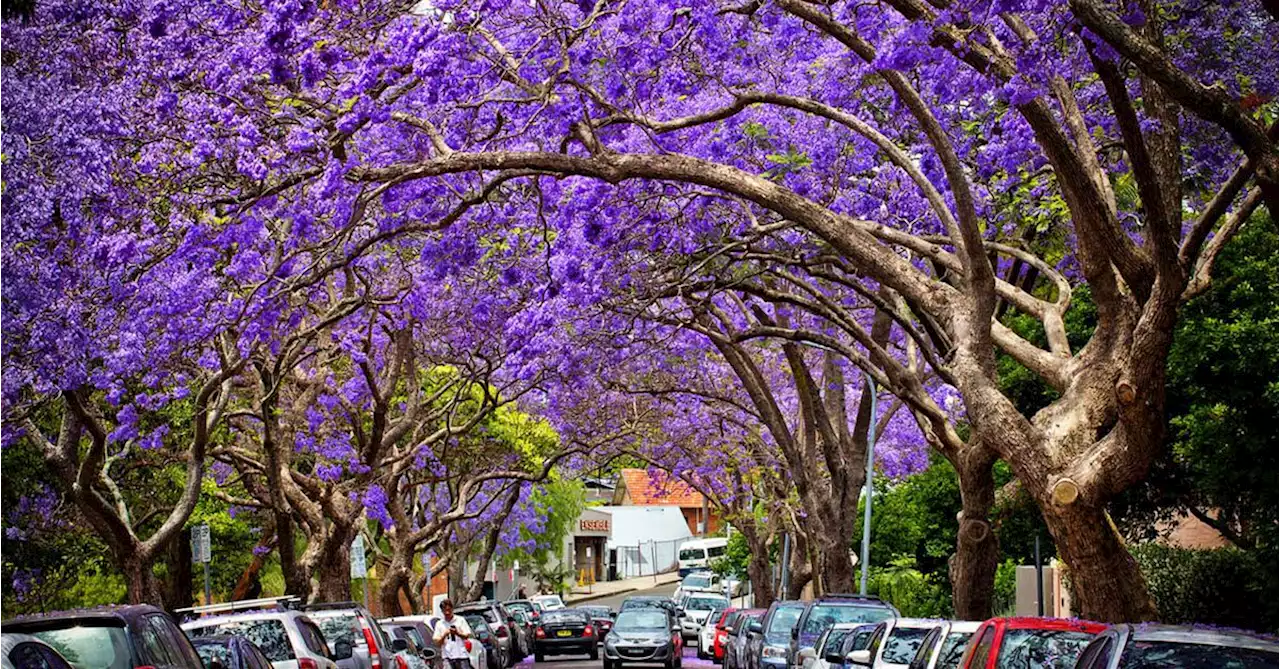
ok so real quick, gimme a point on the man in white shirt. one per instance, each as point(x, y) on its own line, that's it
point(451, 634)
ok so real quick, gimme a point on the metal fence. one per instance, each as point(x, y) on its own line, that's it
point(646, 558)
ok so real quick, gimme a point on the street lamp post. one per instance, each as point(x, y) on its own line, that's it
point(866, 516)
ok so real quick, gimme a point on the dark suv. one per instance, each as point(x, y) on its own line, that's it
point(117, 637)
point(503, 625)
point(829, 610)
point(767, 641)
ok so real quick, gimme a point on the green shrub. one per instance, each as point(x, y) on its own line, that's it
point(1225, 586)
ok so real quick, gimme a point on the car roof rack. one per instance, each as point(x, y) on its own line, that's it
point(849, 595)
point(282, 603)
point(330, 606)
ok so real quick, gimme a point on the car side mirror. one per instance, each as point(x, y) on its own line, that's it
point(398, 645)
point(755, 627)
point(341, 650)
point(428, 653)
point(675, 628)
point(807, 653)
point(834, 658)
point(795, 632)
point(215, 663)
point(679, 612)
point(859, 657)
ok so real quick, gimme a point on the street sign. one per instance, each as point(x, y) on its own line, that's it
point(358, 568)
point(200, 544)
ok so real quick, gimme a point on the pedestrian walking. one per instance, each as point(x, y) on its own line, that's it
point(451, 634)
point(521, 593)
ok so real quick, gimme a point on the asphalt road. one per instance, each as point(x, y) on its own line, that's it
point(690, 660)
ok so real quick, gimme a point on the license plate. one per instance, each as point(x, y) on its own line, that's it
point(564, 633)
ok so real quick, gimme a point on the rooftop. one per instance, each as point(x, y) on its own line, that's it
point(656, 489)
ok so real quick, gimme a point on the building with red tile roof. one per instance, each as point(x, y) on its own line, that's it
point(641, 487)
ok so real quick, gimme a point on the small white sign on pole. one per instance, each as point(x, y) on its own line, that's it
point(358, 568)
point(200, 549)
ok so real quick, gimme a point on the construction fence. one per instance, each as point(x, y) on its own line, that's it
point(646, 558)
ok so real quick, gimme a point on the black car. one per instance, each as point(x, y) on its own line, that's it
point(565, 632)
point(602, 616)
point(223, 651)
point(495, 654)
point(139, 635)
point(531, 609)
point(503, 625)
point(1178, 646)
point(643, 635)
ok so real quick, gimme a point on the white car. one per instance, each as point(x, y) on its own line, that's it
point(548, 602)
point(696, 609)
point(944, 645)
point(894, 642)
point(826, 652)
point(701, 581)
point(707, 637)
point(284, 636)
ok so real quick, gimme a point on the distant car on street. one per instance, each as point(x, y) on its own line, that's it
point(602, 617)
point(565, 632)
point(699, 581)
point(23, 651)
point(510, 635)
point(530, 608)
point(648, 601)
point(548, 602)
point(698, 554)
point(1150, 645)
point(828, 610)
point(227, 651)
point(111, 637)
point(643, 635)
point(1052, 643)
point(944, 645)
point(697, 608)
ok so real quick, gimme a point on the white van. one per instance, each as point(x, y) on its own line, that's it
point(698, 554)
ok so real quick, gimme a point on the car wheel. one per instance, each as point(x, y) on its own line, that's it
point(539, 657)
point(608, 664)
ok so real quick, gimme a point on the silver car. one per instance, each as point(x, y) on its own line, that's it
point(290, 639)
point(349, 625)
point(696, 610)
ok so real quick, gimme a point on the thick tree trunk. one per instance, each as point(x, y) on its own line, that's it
point(1107, 584)
point(396, 578)
point(332, 567)
point(837, 569)
point(177, 586)
point(296, 580)
point(249, 576)
point(800, 570)
point(973, 567)
point(140, 583)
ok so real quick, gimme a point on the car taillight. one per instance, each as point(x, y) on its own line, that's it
point(145, 666)
point(307, 663)
point(540, 633)
point(588, 630)
point(400, 663)
point(501, 632)
point(372, 642)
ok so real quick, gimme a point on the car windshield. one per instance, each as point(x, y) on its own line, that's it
point(697, 581)
point(834, 639)
point(210, 652)
point(338, 628)
point(784, 619)
point(563, 616)
point(640, 603)
point(641, 621)
point(953, 650)
point(269, 635)
point(1194, 656)
point(550, 600)
point(477, 624)
point(1037, 649)
point(97, 647)
point(706, 603)
point(822, 616)
point(902, 644)
point(693, 554)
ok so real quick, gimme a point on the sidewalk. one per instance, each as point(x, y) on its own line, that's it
point(600, 589)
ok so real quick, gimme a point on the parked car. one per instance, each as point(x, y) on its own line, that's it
point(736, 643)
point(565, 632)
point(527, 627)
point(227, 651)
point(826, 652)
point(767, 641)
point(829, 610)
point(548, 602)
point(23, 651)
point(503, 625)
point(602, 617)
point(698, 607)
point(643, 635)
point(489, 653)
point(110, 637)
point(348, 624)
point(288, 639)
point(483, 654)
point(1053, 643)
point(893, 643)
point(699, 581)
point(944, 645)
point(714, 634)
point(409, 646)
point(530, 608)
point(1178, 646)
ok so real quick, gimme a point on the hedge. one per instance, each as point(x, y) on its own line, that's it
point(1226, 586)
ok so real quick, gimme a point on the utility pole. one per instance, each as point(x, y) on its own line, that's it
point(871, 459)
point(783, 574)
point(1039, 578)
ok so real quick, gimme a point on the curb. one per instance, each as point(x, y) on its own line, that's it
point(599, 595)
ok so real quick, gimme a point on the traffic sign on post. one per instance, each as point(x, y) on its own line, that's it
point(200, 543)
point(358, 568)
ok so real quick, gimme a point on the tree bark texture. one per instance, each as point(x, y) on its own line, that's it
point(973, 567)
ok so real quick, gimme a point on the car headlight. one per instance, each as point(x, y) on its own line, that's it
point(777, 652)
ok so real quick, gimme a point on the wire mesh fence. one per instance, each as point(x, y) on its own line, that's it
point(647, 558)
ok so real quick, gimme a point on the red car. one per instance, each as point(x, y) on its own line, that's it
point(1014, 643)
point(721, 635)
